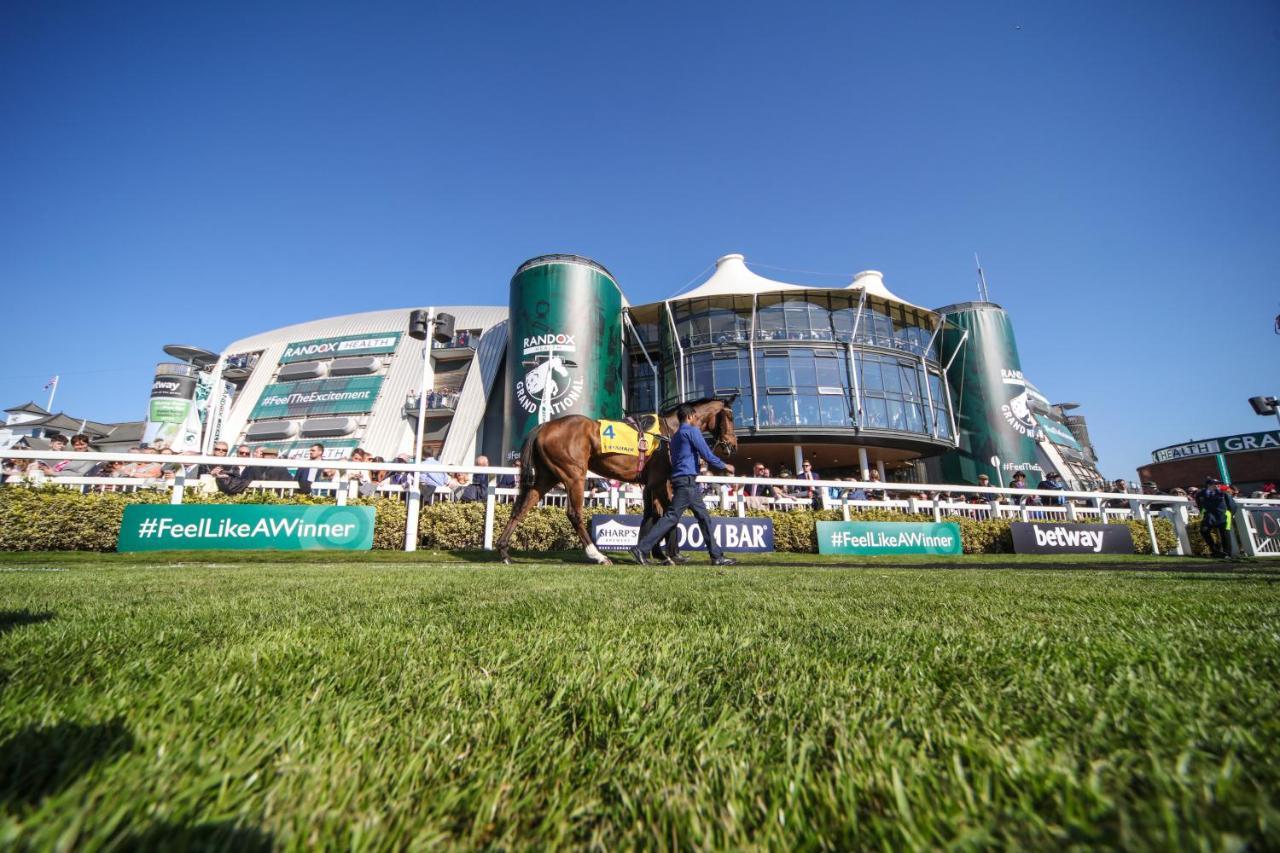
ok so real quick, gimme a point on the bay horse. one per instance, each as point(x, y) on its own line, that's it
point(565, 449)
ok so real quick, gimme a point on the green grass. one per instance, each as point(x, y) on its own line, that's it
point(296, 701)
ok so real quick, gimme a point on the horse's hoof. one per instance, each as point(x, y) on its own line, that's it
point(605, 562)
point(506, 560)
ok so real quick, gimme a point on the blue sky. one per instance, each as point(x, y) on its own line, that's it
point(247, 166)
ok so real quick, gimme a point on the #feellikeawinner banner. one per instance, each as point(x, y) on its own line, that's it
point(151, 527)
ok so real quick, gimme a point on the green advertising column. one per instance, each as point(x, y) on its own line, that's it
point(564, 354)
point(992, 410)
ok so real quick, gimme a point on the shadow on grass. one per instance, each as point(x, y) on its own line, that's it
point(37, 762)
point(204, 836)
point(11, 619)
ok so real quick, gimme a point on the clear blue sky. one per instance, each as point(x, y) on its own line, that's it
point(1117, 166)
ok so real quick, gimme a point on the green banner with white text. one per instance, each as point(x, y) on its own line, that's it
point(317, 397)
point(151, 527)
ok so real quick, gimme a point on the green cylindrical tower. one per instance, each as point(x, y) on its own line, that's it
point(992, 411)
point(565, 346)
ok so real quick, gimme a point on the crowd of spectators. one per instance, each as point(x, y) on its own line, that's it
point(152, 468)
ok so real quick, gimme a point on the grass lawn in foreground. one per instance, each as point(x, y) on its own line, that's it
point(256, 700)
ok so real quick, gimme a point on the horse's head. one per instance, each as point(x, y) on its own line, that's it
point(716, 417)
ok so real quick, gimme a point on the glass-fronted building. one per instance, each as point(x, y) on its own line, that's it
point(850, 377)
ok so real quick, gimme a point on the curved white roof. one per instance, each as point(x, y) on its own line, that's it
point(732, 278)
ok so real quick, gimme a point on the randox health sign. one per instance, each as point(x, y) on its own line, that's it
point(277, 528)
point(889, 537)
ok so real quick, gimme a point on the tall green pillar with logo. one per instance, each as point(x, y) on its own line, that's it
point(992, 409)
point(565, 347)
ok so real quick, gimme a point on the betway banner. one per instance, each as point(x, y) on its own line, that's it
point(889, 537)
point(1029, 538)
point(376, 343)
point(275, 528)
point(317, 397)
point(620, 532)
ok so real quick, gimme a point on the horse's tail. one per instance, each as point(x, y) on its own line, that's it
point(527, 470)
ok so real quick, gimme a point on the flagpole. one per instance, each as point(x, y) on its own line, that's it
point(49, 408)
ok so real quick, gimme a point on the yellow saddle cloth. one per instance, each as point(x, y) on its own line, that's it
point(619, 437)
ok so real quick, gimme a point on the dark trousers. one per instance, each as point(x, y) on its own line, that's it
point(1223, 544)
point(687, 497)
point(647, 523)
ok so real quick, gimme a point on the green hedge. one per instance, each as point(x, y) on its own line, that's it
point(57, 519)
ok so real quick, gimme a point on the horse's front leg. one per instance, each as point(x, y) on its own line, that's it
point(575, 488)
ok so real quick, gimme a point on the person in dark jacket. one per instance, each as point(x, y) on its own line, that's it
point(686, 446)
point(308, 474)
point(1052, 482)
point(1216, 508)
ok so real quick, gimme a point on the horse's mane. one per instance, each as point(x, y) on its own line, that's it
point(728, 401)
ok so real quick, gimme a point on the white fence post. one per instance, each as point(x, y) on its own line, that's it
point(411, 513)
point(844, 505)
point(339, 488)
point(179, 485)
point(937, 508)
point(490, 500)
point(1151, 531)
point(1180, 527)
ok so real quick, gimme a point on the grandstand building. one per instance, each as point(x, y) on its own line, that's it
point(853, 378)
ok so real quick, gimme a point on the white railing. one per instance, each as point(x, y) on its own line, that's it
point(987, 502)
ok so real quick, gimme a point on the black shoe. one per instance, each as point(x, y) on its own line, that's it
point(638, 556)
point(724, 561)
point(678, 560)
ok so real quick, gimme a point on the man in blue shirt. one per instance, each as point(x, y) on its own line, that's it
point(686, 446)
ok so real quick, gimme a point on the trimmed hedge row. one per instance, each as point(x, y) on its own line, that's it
point(56, 519)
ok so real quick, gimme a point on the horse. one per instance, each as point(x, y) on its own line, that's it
point(564, 449)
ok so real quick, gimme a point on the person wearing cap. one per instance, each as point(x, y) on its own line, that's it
point(1216, 509)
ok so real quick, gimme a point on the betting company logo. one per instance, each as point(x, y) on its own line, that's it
point(1017, 411)
point(552, 383)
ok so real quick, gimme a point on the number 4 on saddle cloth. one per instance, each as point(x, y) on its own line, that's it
point(624, 437)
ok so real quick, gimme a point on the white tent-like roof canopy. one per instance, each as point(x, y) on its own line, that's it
point(732, 278)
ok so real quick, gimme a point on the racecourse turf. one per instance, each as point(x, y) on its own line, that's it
point(385, 701)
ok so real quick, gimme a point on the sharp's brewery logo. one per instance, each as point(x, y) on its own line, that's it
point(1017, 412)
point(552, 383)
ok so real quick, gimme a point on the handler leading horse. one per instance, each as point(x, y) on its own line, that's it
point(565, 449)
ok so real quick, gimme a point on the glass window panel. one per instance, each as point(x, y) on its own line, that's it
point(875, 412)
point(802, 369)
point(915, 418)
point(835, 411)
point(829, 371)
point(943, 422)
point(910, 380)
point(935, 388)
point(808, 410)
point(725, 371)
point(770, 324)
point(871, 373)
point(892, 379)
point(897, 415)
point(777, 370)
point(700, 378)
point(778, 410)
point(743, 412)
